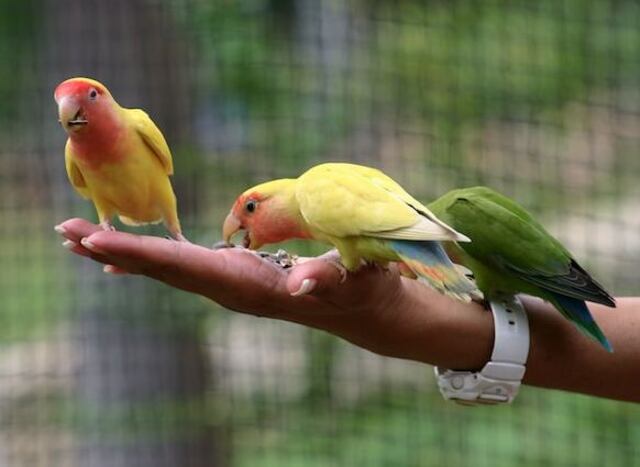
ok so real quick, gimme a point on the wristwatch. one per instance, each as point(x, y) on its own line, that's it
point(499, 380)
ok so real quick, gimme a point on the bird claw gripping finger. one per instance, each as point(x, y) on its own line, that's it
point(107, 226)
point(221, 245)
point(333, 258)
point(336, 263)
point(179, 238)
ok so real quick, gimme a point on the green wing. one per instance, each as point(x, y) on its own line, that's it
point(505, 237)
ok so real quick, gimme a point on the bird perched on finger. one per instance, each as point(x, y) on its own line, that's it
point(116, 157)
point(365, 214)
point(510, 253)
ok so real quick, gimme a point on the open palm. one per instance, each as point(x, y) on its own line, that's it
point(240, 280)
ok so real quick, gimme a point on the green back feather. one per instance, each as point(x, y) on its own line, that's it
point(515, 251)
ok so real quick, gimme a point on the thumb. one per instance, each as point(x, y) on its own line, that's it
point(314, 277)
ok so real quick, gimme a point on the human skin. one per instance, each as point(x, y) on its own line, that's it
point(379, 310)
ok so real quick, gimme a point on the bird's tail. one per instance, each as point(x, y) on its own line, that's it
point(576, 311)
point(428, 260)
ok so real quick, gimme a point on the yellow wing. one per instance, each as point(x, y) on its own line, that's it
point(73, 172)
point(388, 184)
point(152, 137)
point(344, 200)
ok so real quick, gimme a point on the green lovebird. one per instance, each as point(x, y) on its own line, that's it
point(511, 253)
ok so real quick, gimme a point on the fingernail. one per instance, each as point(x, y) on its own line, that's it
point(69, 244)
point(61, 230)
point(90, 246)
point(111, 269)
point(306, 287)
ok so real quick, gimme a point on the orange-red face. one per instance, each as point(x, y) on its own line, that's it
point(243, 216)
point(265, 219)
point(81, 101)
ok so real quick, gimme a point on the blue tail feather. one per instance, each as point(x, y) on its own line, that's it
point(428, 260)
point(577, 311)
point(430, 253)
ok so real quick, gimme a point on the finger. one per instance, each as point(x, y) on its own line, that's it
point(186, 265)
point(322, 279)
point(115, 270)
point(79, 249)
point(76, 248)
point(82, 251)
point(146, 254)
point(236, 278)
point(313, 276)
point(76, 229)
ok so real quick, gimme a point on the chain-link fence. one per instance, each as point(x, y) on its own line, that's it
point(540, 100)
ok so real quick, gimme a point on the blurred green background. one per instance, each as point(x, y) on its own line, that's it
point(540, 100)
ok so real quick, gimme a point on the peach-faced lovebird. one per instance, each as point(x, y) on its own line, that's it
point(116, 157)
point(510, 253)
point(362, 212)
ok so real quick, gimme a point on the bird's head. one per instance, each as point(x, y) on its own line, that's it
point(268, 213)
point(81, 101)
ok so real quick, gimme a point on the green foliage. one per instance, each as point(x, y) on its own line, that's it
point(19, 23)
point(420, 429)
point(448, 66)
point(258, 72)
point(463, 62)
point(34, 299)
point(158, 418)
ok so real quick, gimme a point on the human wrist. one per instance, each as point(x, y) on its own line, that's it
point(499, 380)
point(438, 330)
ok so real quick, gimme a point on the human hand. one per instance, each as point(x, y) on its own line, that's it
point(374, 308)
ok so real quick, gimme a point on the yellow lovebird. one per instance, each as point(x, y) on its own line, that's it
point(116, 157)
point(366, 215)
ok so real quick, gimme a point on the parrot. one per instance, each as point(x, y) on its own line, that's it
point(116, 157)
point(361, 211)
point(511, 253)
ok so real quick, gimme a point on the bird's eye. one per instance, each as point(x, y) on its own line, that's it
point(93, 94)
point(251, 205)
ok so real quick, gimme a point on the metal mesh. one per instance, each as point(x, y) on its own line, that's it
point(539, 100)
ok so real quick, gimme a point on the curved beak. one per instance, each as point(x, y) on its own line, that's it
point(70, 113)
point(231, 225)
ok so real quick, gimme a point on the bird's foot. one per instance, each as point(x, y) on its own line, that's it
point(478, 296)
point(384, 267)
point(333, 258)
point(406, 271)
point(222, 245)
point(341, 269)
point(178, 237)
point(107, 226)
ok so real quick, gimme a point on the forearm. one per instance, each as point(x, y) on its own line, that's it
point(440, 331)
point(562, 358)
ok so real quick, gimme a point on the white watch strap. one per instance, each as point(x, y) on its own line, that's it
point(499, 380)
